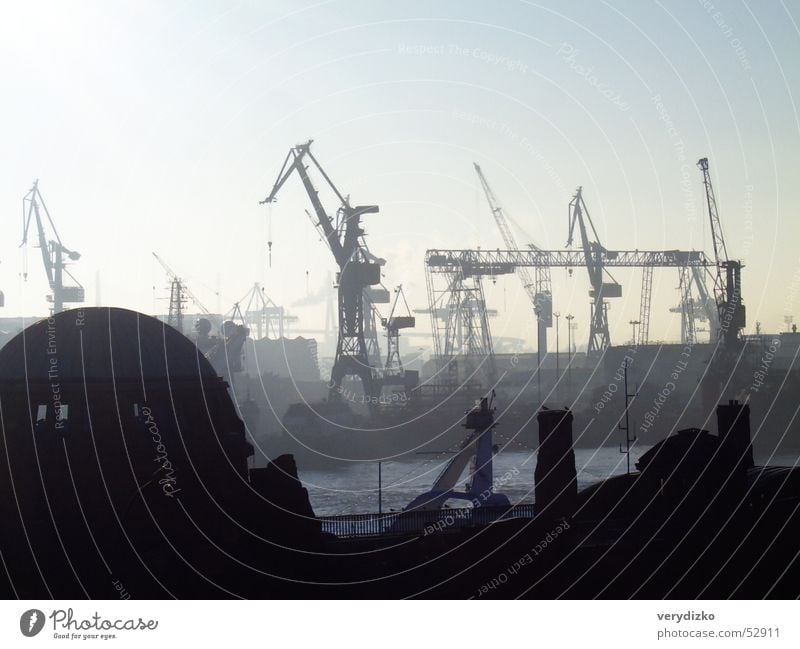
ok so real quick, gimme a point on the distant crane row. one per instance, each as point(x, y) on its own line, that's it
point(461, 272)
point(458, 309)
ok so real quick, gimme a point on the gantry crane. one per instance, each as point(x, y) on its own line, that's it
point(701, 308)
point(178, 294)
point(357, 270)
point(393, 324)
point(54, 253)
point(727, 290)
point(268, 318)
point(539, 290)
point(460, 324)
point(442, 266)
point(594, 256)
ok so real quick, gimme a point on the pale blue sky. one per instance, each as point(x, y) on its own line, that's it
point(159, 126)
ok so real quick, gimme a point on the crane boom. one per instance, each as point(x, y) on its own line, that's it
point(489, 263)
point(539, 291)
point(185, 289)
point(727, 280)
point(294, 162)
point(717, 238)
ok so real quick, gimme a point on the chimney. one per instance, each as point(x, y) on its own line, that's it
point(733, 429)
point(556, 482)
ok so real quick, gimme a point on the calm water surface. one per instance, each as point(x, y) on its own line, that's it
point(354, 488)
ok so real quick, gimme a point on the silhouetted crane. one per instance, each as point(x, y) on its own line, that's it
point(178, 294)
point(358, 270)
point(53, 252)
point(539, 291)
point(594, 252)
point(727, 290)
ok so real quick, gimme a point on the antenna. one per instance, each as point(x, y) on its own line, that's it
point(627, 428)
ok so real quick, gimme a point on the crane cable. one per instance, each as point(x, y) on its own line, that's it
point(269, 232)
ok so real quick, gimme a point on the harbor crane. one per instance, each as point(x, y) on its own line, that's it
point(178, 295)
point(727, 290)
point(448, 271)
point(393, 324)
point(261, 312)
point(702, 307)
point(538, 290)
point(594, 256)
point(358, 270)
point(55, 255)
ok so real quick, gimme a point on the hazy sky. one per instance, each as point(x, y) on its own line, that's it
point(158, 126)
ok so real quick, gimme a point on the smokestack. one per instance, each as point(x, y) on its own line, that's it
point(733, 429)
point(556, 480)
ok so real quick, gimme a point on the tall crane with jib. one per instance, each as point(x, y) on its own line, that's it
point(539, 290)
point(358, 270)
point(727, 289)
point(393, 324)
point(593, 251)
point(55, 255)
point(178, 293)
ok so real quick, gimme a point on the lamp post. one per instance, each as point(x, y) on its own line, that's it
point(569, 318)
point(556, 315)
point(633, 324)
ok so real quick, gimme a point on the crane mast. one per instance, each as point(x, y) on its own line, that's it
point(539, 291)
point(178, 292)
point(599, 338)
point(358, 270)
point(727, 288)
point(55, 254)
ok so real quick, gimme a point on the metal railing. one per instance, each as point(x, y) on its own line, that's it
point(419, 522)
